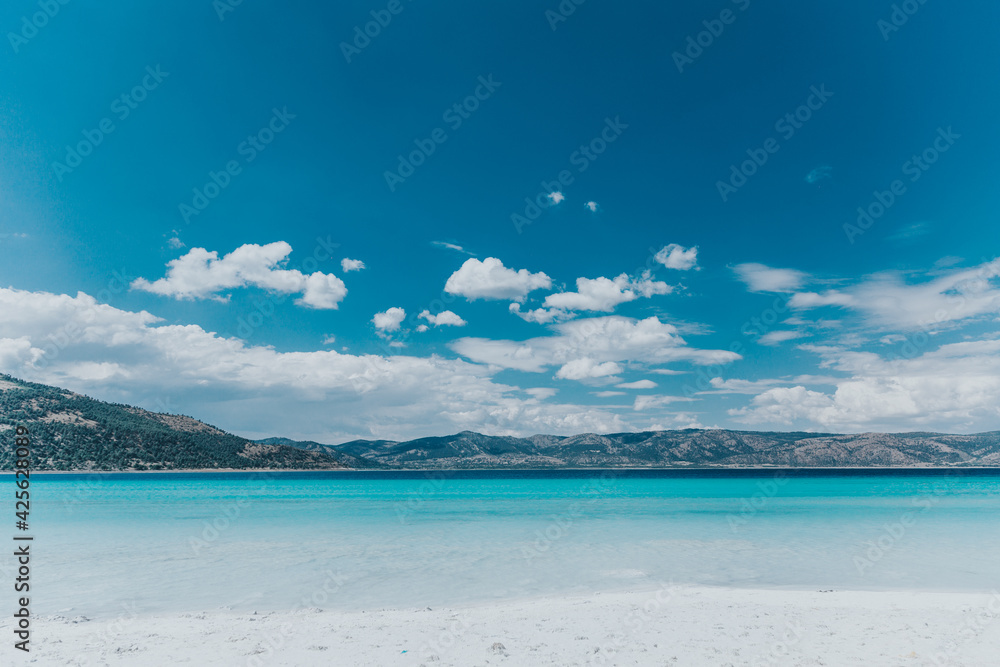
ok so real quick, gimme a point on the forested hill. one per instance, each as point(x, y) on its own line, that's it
point(73, 432)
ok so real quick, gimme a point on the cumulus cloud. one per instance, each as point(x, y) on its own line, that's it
point(591, 206)
point(538, 315)
point(599, 339)
point(444, 318)
point(585, 369)
point(603, 294)
point(490, 279)
point(389, 320)
point(952, 387)
point(678, 257)
point(639, 384)
point(887, 301)
point(761, 278)
point(348, 265)
point(556, 197)
point(134, 357)
point(200, 274)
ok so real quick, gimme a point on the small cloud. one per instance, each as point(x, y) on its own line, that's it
point(911, 231)
point(775, 337)
point(556, 197)
point(820, 173)
point(761, 278)
point(490, 279)
point(678, 257)
point(892, 339)
point(422, 328)
point(444, 318)
point(585, 369)
point(452, 246)
point(945, 262)
point(175, 243)
point(389, 320)
point(640, 384)
point(666, 371)
point(329, 340)
point(348, 265)
point(608, 394)
point(591, 206)
point(397, 343)
point(538, 315)
point(541, 393)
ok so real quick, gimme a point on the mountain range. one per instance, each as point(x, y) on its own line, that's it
point(74, 432)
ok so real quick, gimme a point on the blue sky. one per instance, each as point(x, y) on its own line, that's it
point(707, 298)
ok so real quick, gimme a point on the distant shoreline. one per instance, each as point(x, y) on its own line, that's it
point(793, 471)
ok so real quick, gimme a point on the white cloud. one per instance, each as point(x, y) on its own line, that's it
point(885, 301)
point(761, 278)
point(600, 339)
point(490, 279)
point(591, 206)
point(779, 336)
point(257, 391)
point(452, 246)
point(608, 394)
point(538, 315)
point(556, 197)
point(444, 318)
point(175, 242)
point(348, 265)
point(639, 384)
point(603, 294)
point(200, 274)
point(329, 340)
point(389, 320)
point(585, 369)
point(678, 257)
point(953, 387)
point(422, 328)
point(648, 401)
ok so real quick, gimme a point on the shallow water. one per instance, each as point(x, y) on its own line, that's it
point(169, 543)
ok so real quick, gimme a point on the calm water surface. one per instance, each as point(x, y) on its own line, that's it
point(182, 542)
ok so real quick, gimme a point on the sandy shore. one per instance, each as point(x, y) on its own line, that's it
point(669, 626)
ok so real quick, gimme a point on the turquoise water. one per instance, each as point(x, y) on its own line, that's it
point(349, 541)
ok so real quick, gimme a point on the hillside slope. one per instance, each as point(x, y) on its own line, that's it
point(691, 447)
point(73, 432)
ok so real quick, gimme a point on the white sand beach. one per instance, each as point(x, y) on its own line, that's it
point(669, 626)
